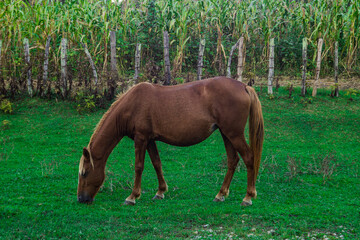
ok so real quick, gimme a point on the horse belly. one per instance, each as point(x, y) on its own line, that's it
point(186, 134)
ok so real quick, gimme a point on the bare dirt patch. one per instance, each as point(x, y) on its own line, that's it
point(344, 83)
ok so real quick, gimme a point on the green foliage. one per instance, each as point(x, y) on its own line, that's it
point(179, 80)
point(333, 88)
point(220, 23)
point(85, 103)
point(150, 28)
point(271, 96)
point(5, 124)
point(5, 105)
point(305, 101)
point(351, 93)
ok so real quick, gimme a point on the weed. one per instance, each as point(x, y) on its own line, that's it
point(324, 165)
point(113, 180)
point(293, 166)
point(272, 167)
point(7, 149)
point(5, 124)
point(328, 167)
point(86, 103)
point(351, 93)
point(48, 168)
point(240, 166)
point(179, 80)
point(271, 96)
point(5, 105)
point(306, 101)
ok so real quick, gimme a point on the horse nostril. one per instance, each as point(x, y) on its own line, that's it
point(84, 198)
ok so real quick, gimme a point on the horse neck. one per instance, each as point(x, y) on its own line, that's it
point(105, 138)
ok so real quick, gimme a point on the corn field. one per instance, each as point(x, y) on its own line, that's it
point(220, 22)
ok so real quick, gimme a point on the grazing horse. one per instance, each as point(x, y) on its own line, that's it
point(180, 115)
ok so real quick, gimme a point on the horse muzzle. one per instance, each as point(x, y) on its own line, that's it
point(85, 198)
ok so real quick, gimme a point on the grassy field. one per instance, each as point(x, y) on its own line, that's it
point(308, 186)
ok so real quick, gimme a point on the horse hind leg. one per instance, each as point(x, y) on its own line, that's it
point(246, 154)
point(237, 143)
point(232, 161)
point(155, 160)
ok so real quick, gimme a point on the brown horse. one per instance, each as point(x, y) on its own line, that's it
point(181, 115)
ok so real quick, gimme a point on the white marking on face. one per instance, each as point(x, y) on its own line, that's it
point(81, 166)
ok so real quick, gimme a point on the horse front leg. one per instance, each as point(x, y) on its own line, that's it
point(155, 159)
point(140, 149)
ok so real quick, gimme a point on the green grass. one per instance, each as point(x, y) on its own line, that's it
point(308, 184)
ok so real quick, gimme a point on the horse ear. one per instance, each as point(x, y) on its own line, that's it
point(86, 153)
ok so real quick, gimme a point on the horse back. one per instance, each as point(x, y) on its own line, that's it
point(186, 114)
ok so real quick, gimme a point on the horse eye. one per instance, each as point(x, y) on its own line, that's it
point(84, 174)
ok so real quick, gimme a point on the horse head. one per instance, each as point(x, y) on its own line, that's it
point(91, 177)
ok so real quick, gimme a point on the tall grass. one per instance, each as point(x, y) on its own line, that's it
point(221, 23)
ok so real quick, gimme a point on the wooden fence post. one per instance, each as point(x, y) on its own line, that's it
point(271, 67)
point(114, 73)
point(228, 71)
point(336, 66)
point(167, 59)
point(28, 67)
point(91, 64)
point(304, 57)
point(46, 65)
point(200, 64)
point(318, 65)
point(137, 61)
point(64, 67)
point(241, 59)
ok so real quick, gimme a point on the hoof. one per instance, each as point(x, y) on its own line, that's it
point(221, 199)
point(245, 203)
point(129, 202)
point(158, 197)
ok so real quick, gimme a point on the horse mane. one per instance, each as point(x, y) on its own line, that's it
point(102, 120)
point(107, 113)
point(96, 131)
